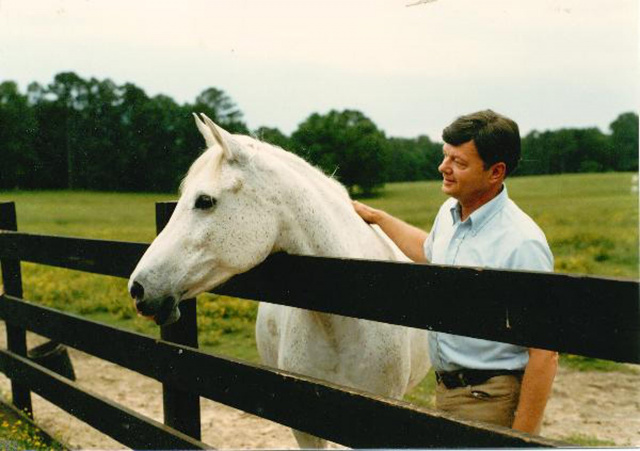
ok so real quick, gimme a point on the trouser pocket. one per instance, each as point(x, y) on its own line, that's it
point(494, 401)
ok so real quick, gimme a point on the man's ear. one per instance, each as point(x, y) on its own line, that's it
point(498, 172)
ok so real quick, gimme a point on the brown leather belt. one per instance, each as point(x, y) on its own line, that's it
point(464, 378)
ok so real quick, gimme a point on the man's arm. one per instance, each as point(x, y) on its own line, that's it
point(408, 238)
point(536, 388)
point(534, 255)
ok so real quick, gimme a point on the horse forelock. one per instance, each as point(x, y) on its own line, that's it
point(209, 160)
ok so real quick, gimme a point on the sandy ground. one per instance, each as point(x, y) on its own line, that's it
point(599, 405)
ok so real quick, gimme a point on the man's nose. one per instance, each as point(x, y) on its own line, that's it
point(444, 167)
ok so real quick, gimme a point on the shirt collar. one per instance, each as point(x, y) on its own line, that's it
point(479, 218)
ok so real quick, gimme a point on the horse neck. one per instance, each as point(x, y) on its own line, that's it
point(317, 217)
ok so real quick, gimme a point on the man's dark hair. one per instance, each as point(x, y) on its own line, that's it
point(496, 137)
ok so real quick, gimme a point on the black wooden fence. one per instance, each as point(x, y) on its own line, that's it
point(591, 316)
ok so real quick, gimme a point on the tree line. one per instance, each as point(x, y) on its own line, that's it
point(96, 135)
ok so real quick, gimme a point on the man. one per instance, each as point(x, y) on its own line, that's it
point(480, 226)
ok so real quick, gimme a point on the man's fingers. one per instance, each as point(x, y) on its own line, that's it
point(360, 208)
point(364, 211)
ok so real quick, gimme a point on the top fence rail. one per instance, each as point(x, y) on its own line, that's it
point(590, 316)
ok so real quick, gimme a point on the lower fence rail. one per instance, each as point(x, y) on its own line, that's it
point(124, 425)
point(342, 415)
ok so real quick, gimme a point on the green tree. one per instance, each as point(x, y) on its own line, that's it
point(17, 130)
point(624, 142)
point(594, 147)
point(100, 155)
point(347, 144)
point(93, 134)
point(49, 141)
point(566, 150)
point(133, 138)
point(216, 104)
point(534, 158)
point(168, 157)
point(273, 136)
point(413, 159)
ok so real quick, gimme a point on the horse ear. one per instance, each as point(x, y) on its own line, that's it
point(222, 137)
point(209, 139)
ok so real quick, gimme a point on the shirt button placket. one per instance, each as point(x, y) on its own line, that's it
point(452, 247)
point(457, 242)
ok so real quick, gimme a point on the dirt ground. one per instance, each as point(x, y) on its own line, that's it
point(605, 406)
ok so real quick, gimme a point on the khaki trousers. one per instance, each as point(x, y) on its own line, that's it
point(495, 401)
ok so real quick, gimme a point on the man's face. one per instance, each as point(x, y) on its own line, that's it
point(462, 169)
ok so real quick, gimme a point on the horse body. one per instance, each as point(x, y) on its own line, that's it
point(269, 200)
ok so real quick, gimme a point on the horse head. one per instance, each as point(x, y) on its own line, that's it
point(223, 225)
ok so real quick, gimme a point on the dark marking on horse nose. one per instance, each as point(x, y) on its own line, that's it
point(165, 310)
point(137, 292)
point(142, 307)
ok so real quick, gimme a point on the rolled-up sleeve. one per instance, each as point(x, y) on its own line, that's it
point(427, 247)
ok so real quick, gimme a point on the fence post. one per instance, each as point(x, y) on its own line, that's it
point(12, 281)
point(181, 409)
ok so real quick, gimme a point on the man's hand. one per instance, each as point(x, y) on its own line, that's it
point(369, 214)
point(408, 238)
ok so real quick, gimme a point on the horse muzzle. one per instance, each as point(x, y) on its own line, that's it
point(164, 311)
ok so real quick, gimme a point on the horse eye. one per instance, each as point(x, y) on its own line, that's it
point(204, 202)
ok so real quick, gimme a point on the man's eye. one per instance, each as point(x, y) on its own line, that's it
point(204, 202)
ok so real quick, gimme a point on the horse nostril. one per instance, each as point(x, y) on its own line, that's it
point(141, 305)
point(137, 291)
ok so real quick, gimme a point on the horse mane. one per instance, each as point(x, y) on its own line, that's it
point(311, 173)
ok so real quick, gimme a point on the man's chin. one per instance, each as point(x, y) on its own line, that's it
point(447, 189)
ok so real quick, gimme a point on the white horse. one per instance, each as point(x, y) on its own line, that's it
point(242, 200)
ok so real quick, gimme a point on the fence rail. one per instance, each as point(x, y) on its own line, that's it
point(120, 423)
point(348, 416)
point(590, 316)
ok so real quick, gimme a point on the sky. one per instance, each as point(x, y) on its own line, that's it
point(411, 69)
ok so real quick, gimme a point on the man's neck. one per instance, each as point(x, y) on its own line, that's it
point(468, 206)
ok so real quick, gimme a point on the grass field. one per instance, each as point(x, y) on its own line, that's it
point(591, 222)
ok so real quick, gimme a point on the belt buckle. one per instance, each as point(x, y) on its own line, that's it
point(462, 379)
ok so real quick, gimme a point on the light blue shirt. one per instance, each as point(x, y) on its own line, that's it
point(497, 235)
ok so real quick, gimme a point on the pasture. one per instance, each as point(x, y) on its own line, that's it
point(591, 222)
